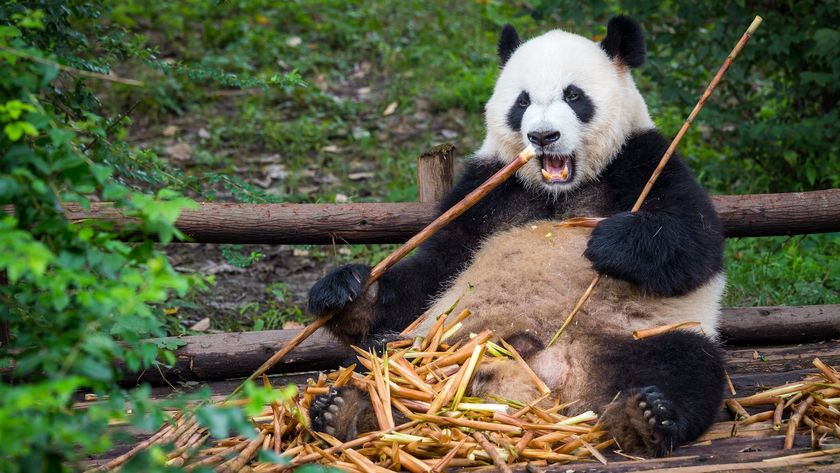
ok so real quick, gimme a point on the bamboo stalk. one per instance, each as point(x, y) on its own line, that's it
point(472, 424)
point(654, 331)
point(818, 453)
point(669, 152)
point(444, 462)
point(760, 417)
point(737, 409)
point(794, 421)
point(491, 452)
point(444, 219)
point(827, 371)
point(541, 386)
point(137, 448)
point(777, 414)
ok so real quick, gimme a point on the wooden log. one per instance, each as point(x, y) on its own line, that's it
point(773, 325)
point(238, 354)
point(791, 213)
point(435, 173)
point(232, 355)
point(213, 222)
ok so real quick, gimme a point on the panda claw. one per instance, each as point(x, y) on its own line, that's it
point(643, 422)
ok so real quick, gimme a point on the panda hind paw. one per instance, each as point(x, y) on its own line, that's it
point(643, 422)
point(343, 413)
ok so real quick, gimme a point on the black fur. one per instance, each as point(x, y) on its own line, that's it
point(625, 41)
point(678, 209)
point(508, 42)
point(671, 389)
point(675, 242)
point(517, 110)
point(579, 102)
point(338, 288)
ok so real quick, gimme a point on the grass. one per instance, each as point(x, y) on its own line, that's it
point(435, 60)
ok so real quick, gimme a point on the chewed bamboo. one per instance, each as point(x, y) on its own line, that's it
point(654, 331)
point(451, 430)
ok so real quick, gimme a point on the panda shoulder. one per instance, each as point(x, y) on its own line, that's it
point(476, 171)
point(641, 154)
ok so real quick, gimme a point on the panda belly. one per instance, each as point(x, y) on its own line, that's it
point(526, 280)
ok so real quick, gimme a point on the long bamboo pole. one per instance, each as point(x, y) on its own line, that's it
point(445, 218)
point(667, 156)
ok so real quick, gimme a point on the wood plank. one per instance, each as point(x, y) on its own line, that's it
point(742, 215)
point(733, 454)
point(779, 359)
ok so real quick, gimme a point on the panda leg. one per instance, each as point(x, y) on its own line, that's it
point(670, 389)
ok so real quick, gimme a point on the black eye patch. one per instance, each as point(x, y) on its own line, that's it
point(514, 116)
point(579, 102)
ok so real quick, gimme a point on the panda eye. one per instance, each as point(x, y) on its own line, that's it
point(572, 96)
point(524, 101)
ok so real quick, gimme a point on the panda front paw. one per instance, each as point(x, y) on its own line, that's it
point(644, 422)
point(341, 294)
point(634, 248)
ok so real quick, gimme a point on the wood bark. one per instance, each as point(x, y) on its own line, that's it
point(232, 355)
point(742, 216)
point(435, 173)
point(776, 325)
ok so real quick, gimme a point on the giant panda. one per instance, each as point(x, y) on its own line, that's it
point(520, 273)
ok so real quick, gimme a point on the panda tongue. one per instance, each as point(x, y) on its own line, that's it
point(556, 168)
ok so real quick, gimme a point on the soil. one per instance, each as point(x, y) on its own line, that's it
point(179, 139)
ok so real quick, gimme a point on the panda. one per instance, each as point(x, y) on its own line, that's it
point(520, 273)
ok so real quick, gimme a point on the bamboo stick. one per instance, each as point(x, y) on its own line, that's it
point(491, 452)
point(654, 331)
point(445, 218)
point(668, 153)
point(794, 421)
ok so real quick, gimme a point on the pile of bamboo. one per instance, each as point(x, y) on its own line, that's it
point(424, 379)
point(812, 404)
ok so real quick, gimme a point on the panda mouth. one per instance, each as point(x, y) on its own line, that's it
point(557, 169)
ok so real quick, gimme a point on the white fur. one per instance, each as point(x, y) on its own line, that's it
point(544, 67)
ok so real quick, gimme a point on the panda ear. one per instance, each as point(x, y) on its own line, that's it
point(625, 41)
point(508, 42)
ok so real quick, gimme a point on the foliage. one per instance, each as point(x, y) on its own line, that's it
point(774, 117)
point(79, 301)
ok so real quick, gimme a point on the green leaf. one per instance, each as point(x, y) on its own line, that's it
point(269, 456)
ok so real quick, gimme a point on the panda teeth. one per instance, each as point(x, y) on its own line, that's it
point(546, 175)
point(559, 169)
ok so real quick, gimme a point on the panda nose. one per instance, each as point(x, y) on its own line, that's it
point(542, 138)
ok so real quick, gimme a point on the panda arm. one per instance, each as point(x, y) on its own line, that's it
point(407, 289)
point(674, 244)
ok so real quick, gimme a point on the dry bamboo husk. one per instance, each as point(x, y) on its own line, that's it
point(469, 432)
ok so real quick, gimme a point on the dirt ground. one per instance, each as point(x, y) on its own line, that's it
point(241, 295)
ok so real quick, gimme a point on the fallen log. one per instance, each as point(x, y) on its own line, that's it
point(237, 354)
point(776, 325)
point(742, 216)
point(233, 355)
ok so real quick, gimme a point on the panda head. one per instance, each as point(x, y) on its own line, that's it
point(573, 99)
